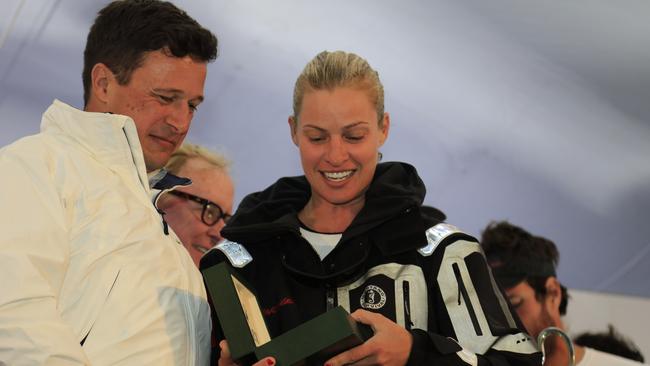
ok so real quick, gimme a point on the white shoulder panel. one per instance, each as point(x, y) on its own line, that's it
point(466, 312)
point(236, 253)
point(435, 236)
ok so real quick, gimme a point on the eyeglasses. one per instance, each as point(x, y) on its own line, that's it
point(211, 213)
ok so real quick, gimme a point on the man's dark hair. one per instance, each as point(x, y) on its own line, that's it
point(516, 255)
point(125, 29)
point(611, 342)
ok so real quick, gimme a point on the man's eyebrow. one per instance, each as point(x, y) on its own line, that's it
point(176, 92)
point(168, 90)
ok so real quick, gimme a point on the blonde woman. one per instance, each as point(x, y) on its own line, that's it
point(352, 232)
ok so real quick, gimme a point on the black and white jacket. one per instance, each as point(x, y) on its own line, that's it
point(397, 258)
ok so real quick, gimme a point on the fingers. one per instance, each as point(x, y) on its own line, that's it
point(359, 355)
point(224, 357)
point(224, 348)
point(267, 361)
point(390, 345)
point(225, 360)
point(365, 316)
point(363, 354)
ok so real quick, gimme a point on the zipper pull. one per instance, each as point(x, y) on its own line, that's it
point(330, 300)
point(162, 216)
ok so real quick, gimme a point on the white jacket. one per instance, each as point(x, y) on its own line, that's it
point(83, 256)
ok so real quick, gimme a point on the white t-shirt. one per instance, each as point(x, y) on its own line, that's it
point(323, 244)
point(594, 357)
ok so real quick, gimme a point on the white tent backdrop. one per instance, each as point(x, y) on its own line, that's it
point(592, 312)
point(535, 112)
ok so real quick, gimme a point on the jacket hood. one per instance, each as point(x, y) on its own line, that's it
point(395, 188)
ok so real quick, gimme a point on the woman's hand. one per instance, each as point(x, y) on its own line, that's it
point(391, 344)
point(225, 360)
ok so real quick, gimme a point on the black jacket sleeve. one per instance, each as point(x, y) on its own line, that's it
point(434, 349)
point(470, 320)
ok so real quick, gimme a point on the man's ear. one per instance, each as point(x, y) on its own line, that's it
point(292, 126)
point(100, 79)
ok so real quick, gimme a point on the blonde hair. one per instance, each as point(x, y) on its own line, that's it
point(191, 151)
point(329, 70)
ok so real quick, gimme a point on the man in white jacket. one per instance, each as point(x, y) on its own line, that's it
point(88, 272)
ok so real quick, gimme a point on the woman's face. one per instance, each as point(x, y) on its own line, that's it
point(338, 135)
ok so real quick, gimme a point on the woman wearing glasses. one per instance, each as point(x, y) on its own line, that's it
point(198, 212)
point(352, 232)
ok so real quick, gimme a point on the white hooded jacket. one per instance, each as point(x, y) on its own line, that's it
point(87, 275)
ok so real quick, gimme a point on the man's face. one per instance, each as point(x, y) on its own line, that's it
point(533, 312)
point(161, 98)
point(184, 216)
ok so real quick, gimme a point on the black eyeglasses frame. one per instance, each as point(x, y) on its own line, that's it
point(204, 203)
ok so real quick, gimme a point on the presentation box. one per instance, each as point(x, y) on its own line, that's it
point(240, 317)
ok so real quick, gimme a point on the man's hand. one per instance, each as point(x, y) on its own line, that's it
point(391, 344)
point(225, 360)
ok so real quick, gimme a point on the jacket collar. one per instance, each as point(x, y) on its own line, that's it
point(111, 139)
point(162, 181)
point(395, 195)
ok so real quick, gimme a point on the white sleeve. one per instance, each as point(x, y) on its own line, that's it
point(34, 254)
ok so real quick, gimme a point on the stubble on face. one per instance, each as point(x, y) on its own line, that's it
point(161, 97)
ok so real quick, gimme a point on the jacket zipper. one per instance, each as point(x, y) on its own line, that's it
point(462, 291)
point(408, 324)
point(108, 295)
point(330, 301)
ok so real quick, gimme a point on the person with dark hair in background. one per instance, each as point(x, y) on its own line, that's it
point(525, 266)
point(611, 342)
point(87, 274)
point(353, 232)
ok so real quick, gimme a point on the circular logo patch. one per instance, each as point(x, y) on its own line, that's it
point(373, 298)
